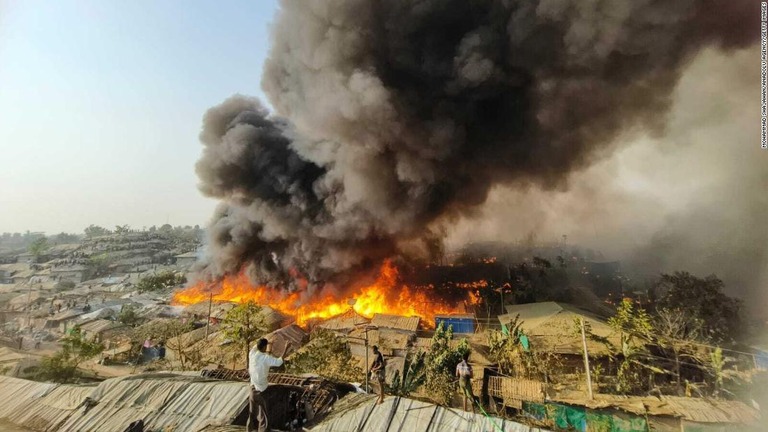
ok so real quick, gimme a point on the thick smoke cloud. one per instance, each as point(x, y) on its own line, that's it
point(395, 117)
point(691, 200)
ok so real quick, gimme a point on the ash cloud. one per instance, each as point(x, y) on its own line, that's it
point(395, 118)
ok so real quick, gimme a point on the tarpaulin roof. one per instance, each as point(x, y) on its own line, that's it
point(161, 400)
point(360, 412)
point(40, 406)
point(180, 402)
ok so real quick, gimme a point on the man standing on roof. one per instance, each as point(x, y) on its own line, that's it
point(259, 362)
point(464, 374)
point(378, 372)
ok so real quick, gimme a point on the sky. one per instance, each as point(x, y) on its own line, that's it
point(101, 104)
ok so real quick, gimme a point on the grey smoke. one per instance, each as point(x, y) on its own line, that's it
point(693, 199)
point(394, 118)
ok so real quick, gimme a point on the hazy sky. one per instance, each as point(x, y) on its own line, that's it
point(101, 103)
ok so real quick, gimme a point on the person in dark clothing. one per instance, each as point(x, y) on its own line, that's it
point(378, 372)
point(161, 350)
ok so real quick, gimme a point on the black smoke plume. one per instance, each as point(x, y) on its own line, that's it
point(394, 117)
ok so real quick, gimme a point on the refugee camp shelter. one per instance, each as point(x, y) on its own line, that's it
point(344, 322)
point(358, 412)
point(551, 327)
point(163, 401)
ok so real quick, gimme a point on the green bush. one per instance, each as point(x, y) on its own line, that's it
point(161, 281)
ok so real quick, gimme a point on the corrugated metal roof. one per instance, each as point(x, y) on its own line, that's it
point(360, 412)
point(396, 322)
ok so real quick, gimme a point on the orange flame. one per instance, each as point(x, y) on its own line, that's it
point(385, 296)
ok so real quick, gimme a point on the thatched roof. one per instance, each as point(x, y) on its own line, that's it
point(552, 327)
point(396, 322)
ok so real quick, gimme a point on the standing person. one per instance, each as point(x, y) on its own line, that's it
point(378, 372)
point(259, 362)
point(464, 374)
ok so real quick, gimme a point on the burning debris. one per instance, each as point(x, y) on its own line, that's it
point(393, 118)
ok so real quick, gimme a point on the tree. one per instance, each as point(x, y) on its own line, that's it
point(327, 355)
point(414, 375)
point(65, 285)
point(128, 316)
point(96, 231)
point(63, 238)
point(503, 347)
point(38, 247)
point(243, 324)
point(122, 229)
point(62, 366)
point(701, 299)
point(163, 280)
point(634, 328)
point(678, 335)
point(441, 361)
point(100, 263)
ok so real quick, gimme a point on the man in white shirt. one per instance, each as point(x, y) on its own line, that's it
point(259, 362)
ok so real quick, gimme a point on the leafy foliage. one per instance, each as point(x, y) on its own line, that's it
point(678, 336)
point(440, 363)
point(63, 237)
point(64, 285)
point(703, 300)
point(328, 355)
point(100, 263)
point(96, 231)
point(635, 329)
point(62, 366)
point(504, 348)
point(414, 375)
point(122, 229)
point(243, 324)
point(128, 316)
point(159, 281)
point(38, 247)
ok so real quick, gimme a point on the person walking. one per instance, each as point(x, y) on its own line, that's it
point(378, 372)
point(259, 362)
point(464, 374)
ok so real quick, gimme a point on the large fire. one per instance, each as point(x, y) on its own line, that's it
point(387, 295)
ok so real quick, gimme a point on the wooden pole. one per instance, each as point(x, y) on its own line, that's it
point(586, 359)
point(208, 321)
point(367, 372)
